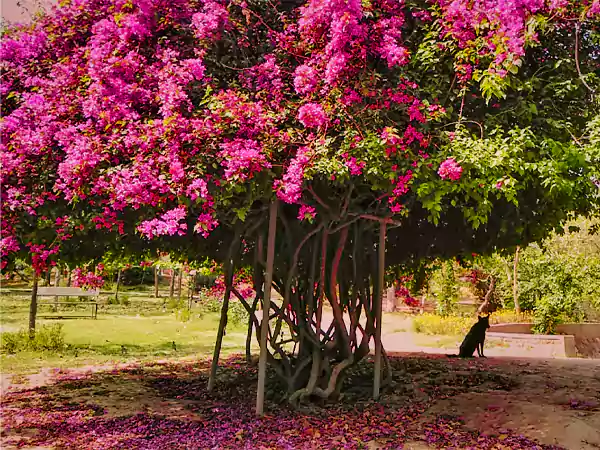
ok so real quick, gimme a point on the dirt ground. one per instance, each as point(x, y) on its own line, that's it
point(555, 402)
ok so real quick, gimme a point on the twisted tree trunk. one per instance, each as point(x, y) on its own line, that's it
point(314, 354)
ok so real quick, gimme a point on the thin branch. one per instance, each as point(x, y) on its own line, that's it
point(577, 59)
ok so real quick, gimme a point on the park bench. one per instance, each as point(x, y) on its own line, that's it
point(69, 292)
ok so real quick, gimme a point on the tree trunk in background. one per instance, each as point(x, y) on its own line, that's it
point(156, 282)
point(48, 276)
point(179, 281)
point(483, 308)
point(57, 284)
point(172, 284)
point(68, 277)
point(516, 282)
point(229, 269)
point(390, 299)
point(118, 284)
point(33, 306)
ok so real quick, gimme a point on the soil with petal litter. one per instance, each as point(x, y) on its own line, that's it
point(433, 402)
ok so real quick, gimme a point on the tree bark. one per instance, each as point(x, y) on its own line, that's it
point(222, 323)
point(258, 288)
point(56, 284)
point(48, 276)
point(264, 324)
point(516, 281)
point(378, 315)
point(179, 281)
point(483, 308)
point(156, 282)
point(68, 277)
point(33, 306)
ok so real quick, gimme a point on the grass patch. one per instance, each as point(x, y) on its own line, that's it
point(47, 338)
point(137, 334)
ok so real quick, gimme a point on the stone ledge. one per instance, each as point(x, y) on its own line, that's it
point(564, 344)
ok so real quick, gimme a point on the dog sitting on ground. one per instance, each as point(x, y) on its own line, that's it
point(475, 339)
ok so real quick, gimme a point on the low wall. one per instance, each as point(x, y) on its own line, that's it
point(580, 330)
point(555, 346)
point(573, 339)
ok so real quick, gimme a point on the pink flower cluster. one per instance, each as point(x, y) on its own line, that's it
point(205, 224)
point(168, 224)
point(198, 188)
point(40, 256)
point(241, 282)
point(391, 51)
point(401, 187)
point(450, 169)
point(211, 21)
point(312, 115)
point(289, 189)
point(88, 280)
point(307, 212)
point(341, 20)
point(266, 78)
point(306, 79)
point(8, 244)
point(242, 158)
point(354, 166)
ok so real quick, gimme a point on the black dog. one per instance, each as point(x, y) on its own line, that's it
point(475, 339)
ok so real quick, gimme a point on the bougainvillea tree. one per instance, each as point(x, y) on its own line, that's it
point(468, 125)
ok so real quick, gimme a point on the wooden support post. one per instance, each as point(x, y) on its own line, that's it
point(264, 325)
point(33, 305)
point(378, 311)
point(516, 281)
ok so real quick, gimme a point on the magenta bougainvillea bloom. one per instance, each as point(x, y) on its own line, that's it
point(306, 79)
point(450, 169)
point(307, 212)
point(164, 118)
point(312, 115)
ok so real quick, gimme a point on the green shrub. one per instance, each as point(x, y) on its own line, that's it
point(174, 303)
point(510, 316)
point(47, 338)
point(122, 300)
point(184, 315)
point(446, 303)
point(549, 312)
point(434, 324)
point(236, 314)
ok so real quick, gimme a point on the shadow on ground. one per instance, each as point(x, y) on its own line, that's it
point(434, 402)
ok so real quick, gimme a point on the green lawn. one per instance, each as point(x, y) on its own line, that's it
point(144, 329)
